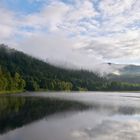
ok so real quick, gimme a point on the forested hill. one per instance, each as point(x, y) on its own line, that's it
point(20, 71)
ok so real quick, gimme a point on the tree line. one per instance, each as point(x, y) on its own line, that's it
point(19, 71)
point(9, 82)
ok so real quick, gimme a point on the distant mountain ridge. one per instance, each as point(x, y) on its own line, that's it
point(125, 73)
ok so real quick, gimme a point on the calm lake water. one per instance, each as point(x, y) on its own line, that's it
point(70, 116)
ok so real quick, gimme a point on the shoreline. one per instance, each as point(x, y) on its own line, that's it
point(23, 91)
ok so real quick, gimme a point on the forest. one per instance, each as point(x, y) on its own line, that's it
point(21, 72)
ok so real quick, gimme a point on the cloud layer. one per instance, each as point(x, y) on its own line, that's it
point(82, 33)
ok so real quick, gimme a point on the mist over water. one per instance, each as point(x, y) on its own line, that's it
point(71, 116)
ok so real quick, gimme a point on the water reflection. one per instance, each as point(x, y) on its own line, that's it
point(95, 117)
point(111, 130)
point(18, 111)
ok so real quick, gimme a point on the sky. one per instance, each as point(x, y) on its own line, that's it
point(79, 33)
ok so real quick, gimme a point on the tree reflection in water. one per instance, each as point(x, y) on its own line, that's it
point(17, 111)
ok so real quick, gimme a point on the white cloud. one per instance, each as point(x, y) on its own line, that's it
point(51, 16)
point(7, 24)
point(82, 33)
point(115, 7)
point(60, 48)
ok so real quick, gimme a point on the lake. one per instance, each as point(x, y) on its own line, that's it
point(70, 116)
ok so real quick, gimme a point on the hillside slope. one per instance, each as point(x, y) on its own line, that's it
point(19, 71)
point(36, 74)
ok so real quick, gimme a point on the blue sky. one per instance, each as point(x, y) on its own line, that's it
point(28, 6)
point(22, 6)
point(84, 33)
